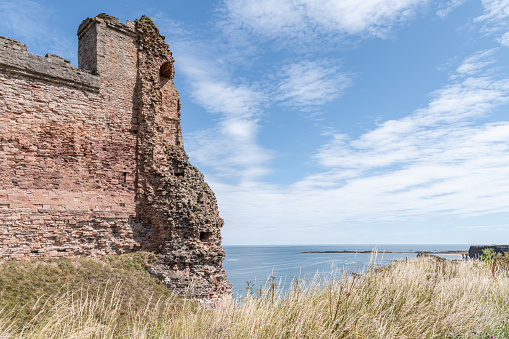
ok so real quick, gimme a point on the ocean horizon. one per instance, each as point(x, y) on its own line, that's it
point(256, 263)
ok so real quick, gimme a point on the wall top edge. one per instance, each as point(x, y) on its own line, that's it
point(11, 43)
point(109, 21)
point(16, 59)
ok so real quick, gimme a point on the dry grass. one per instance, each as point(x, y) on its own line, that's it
point(420, 298)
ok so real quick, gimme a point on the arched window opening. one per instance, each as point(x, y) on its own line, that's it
point(165, 75)
point(166, 70)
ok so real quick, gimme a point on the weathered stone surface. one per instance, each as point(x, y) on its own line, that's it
point(92, 159)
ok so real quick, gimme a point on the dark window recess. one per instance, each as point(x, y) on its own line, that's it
point(205, 236)
point(124, 175)
point(179, 173)
point(166, 70)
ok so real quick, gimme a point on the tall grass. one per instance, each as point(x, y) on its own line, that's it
point(419, 298)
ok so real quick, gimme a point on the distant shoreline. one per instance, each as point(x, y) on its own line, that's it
point(402, 252)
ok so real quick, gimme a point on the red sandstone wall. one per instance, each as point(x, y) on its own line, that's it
point(67, 170)
point(92, 159)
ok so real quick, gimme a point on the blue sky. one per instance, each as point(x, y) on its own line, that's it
point(322, 121)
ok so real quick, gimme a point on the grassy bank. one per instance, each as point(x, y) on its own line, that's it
point(79, 297)
point(420, 298)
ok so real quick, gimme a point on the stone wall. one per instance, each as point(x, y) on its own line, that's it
point(92, 159)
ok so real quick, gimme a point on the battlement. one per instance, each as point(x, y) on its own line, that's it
point(8, 42)
point(92, 159)
point(14, 58)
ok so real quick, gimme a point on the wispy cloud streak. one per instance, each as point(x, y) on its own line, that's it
point(444, 9)
point(303, 19)
point(311, 83)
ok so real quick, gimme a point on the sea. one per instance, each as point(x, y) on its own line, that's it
point(254, 265)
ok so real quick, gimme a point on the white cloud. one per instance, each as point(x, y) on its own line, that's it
point(476, 63)
point(494, 10)
point(226, 98)
point(445, 9)
point(299, 18)
point(311, 83)
point(495, 15)
point(422, 134)
point(230, 148)
point(504, 40)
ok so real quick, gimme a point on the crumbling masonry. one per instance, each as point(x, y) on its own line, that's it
point(92, 159)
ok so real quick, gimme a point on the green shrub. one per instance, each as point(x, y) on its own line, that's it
point(487, 255)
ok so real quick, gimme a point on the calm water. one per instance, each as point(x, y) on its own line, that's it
point(256, 263)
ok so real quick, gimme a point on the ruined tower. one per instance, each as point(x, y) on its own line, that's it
point(93, 162)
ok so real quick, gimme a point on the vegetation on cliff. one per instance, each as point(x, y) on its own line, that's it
point(420, 298)
point(39, 296)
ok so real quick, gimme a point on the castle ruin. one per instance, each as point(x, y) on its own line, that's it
point(92, 160)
